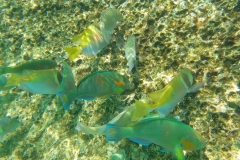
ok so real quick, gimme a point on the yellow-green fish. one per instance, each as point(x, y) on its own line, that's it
point(96, 36)
point(7, 125)
point(41, 64)
point(49, 81)
point(90, 42)
point(172, 135)
point(101, 84)
point(37, 81)
point(167, 98)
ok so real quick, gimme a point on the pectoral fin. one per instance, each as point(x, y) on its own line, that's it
point(178, 152)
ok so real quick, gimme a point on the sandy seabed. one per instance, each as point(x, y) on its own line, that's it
point(203, 36)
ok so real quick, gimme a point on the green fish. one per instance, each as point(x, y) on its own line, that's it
point(33, 65)
point(101, 84)
point(37, 81)
point(166, 99)
point(7, 125)
point(172, 135)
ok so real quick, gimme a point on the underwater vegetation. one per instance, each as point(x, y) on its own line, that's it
point(202, 36)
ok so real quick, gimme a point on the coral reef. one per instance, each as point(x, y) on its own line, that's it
point(203, 36)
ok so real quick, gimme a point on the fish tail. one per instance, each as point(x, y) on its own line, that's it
point(113, 132)
point(178, 153)
point(67, 97)
point(73, 52)
point(140, 111)
point(13, 80)
point(90, 130)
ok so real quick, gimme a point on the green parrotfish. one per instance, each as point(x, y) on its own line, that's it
point(41, 64)
point(166, 99)
point(101, 84)
point(172, 135)
point(7, 125)
point(48, 81)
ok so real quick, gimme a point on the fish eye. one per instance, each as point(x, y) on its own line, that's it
point(196, 140)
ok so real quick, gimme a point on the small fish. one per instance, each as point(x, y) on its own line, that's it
point(109, 19)
point(101, 84)
point(122, 119)
point(167, 98)
point(130, 52)
point(41, 64)
point(90, 42)
point(7, 125)
point(172, 135)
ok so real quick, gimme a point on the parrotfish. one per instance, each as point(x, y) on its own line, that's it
point(172, 135)
point(167, 98)
point(33, 65)
point(109, 19)
point(96, 36)
point(37, 81)
point(122, 119)
point(7, 125)
point(90, 42)
point(49, 81)
point(130, 52)
point(101, 84)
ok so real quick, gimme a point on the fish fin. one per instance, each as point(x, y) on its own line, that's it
point(113, 132)
point(140, 141)
point(73, 52)
point(67, 97)
point(90, 130)
point(13, 80)
point(140, 111)
point(156, 96)
point(196, 87)
point(178, 152)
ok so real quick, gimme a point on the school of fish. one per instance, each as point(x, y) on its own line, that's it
point(136, 122)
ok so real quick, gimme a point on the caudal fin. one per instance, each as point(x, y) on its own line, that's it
point(113, 132)
point(90, 130)
point(14, 80)
point(73, 52)
point(67, 97)
point(140, 111)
